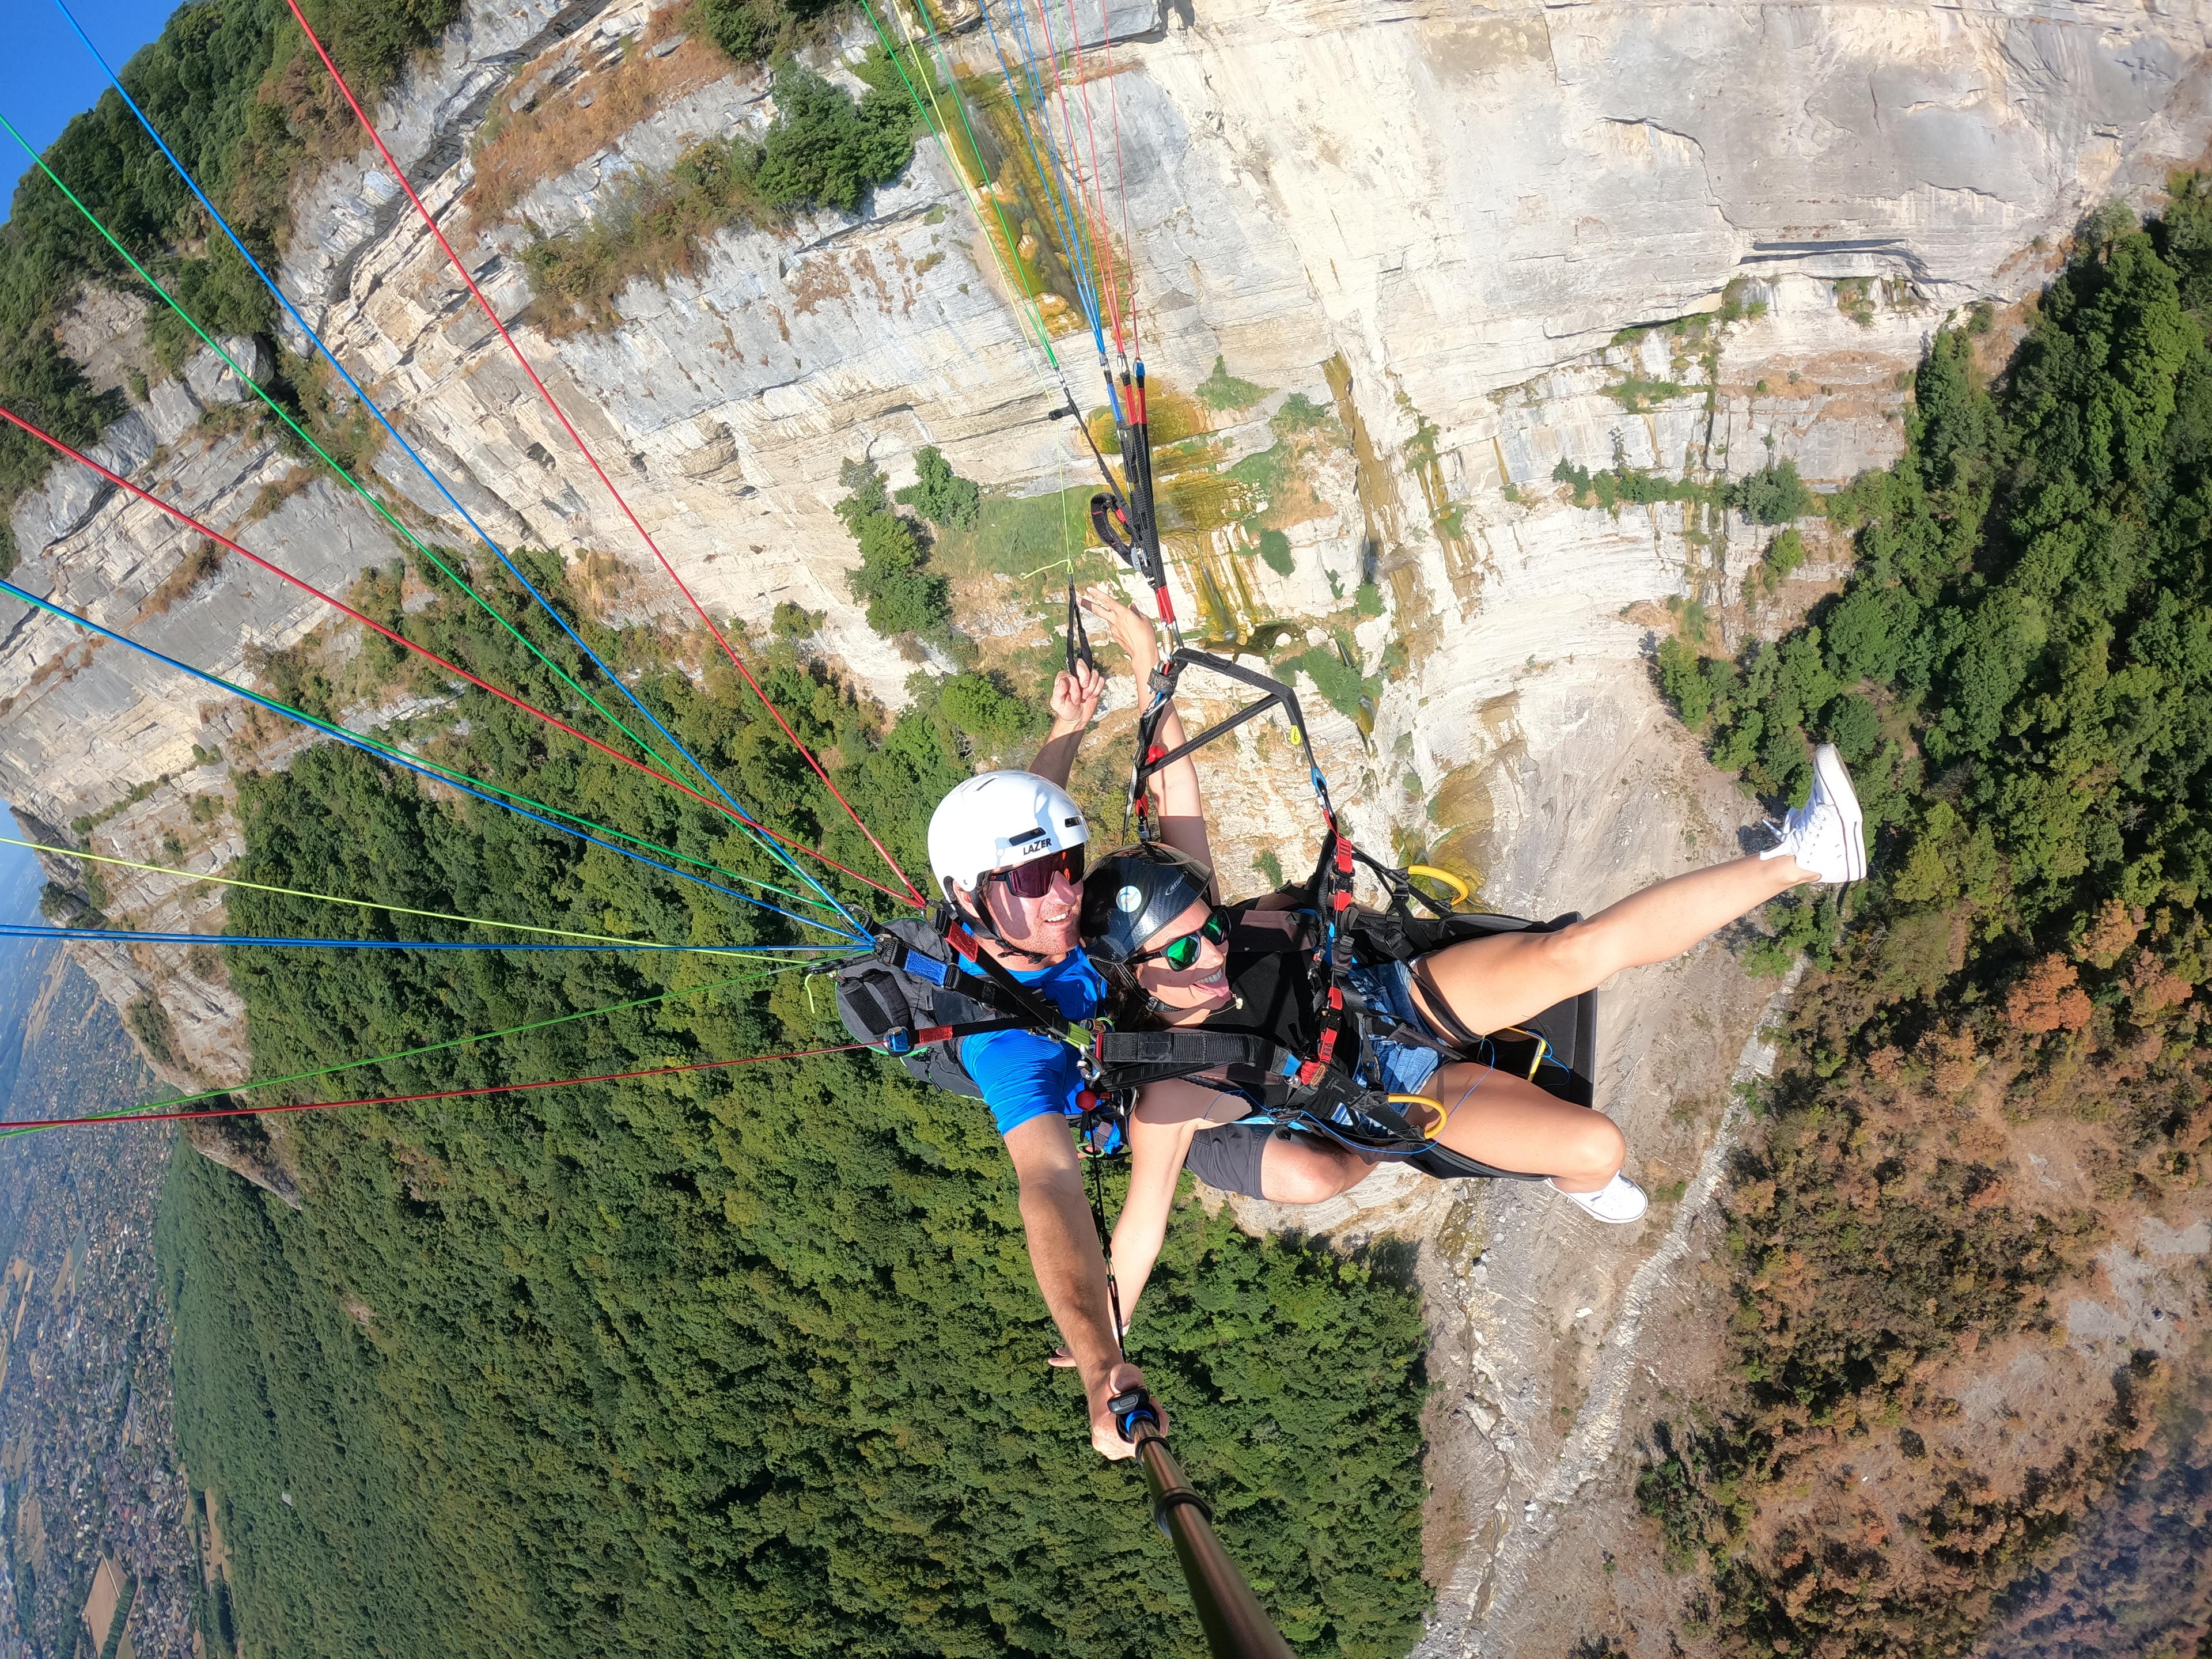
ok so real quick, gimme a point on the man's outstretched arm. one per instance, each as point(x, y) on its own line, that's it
point(1070, 1263)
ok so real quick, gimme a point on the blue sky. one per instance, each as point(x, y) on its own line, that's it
point(19, 881)
point(46, 75)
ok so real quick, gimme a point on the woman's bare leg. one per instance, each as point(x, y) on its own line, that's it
point(1295, 1169)
point(1510, 1124)
point(1507, 978)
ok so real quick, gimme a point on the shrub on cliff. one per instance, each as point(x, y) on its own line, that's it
point(941, 494)
point(823, 151)
point(751, 30)
point(1773, 494)
point(902, 596)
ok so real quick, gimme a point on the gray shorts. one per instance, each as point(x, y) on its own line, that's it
point(1228, 1156)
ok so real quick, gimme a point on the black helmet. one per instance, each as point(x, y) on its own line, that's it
point(1131, 895)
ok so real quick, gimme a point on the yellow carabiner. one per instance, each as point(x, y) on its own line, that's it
point(1543, 1045)
point(1460, 891)
point(1437, 1126)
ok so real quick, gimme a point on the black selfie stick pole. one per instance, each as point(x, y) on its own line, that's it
point(1236, 1626)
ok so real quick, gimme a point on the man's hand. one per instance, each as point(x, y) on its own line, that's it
point(1075, 696)
point(1105, 1432)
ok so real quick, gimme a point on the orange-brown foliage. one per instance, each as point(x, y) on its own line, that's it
point(2112, 930)
point(197, 569)
point(2048, 999)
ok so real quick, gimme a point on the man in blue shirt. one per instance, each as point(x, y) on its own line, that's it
point(1007, 851)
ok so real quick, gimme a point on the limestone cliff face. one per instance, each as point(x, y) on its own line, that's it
point(1432, 217)
point(1429, 220)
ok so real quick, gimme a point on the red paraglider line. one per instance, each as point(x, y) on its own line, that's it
point(400, 175)
point(306, 587)
point(409, 1100)
point(1120, 178)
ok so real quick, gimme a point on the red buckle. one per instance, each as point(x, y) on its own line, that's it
point(1310, 1073)
point(1344, 901)
point(1327, 1047)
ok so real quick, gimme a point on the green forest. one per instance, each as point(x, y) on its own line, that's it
point(2019, 671)
point(747, 1361)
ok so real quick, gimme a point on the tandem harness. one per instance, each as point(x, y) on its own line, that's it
point(912, 997)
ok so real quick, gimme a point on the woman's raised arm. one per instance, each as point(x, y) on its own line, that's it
point(1175, 791)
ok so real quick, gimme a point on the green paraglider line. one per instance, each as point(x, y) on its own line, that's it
point(19, 1125)
point(448, 775)
point(430, 223)
point(1035, 315)
point(337, 898)
point(307, 438)
point(433, 1048)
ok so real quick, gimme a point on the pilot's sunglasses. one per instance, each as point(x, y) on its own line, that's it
point(1033, 880)
point(1182, 950)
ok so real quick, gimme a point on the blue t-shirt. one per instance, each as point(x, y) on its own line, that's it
point(1023, 1075)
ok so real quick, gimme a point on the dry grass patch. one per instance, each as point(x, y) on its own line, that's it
point(199, 567)
point(586, 117)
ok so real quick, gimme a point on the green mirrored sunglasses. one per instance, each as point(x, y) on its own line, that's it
point(1182, 950)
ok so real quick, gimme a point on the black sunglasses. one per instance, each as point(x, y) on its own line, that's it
point(1033, 880)
point(1182, 950)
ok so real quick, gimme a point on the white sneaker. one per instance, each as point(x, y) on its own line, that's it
point(1620, 1200)
point(1827, 834)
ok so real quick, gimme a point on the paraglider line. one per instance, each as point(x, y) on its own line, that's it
point(369, 403)
point(454, 1042)
point(428, 769)
point(308, 438)
point(399, 174)
point(325, 898)
point(401, 639)
point(11, 1124)
point(128, 936)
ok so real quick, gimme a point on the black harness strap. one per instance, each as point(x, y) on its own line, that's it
point(1440, 1009)
point(1003, 988)
point(1078, 637)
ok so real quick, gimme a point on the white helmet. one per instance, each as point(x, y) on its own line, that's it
point(997, 820)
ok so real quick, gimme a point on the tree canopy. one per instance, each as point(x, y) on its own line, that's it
point(2019, 671)
point(745, 1361)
